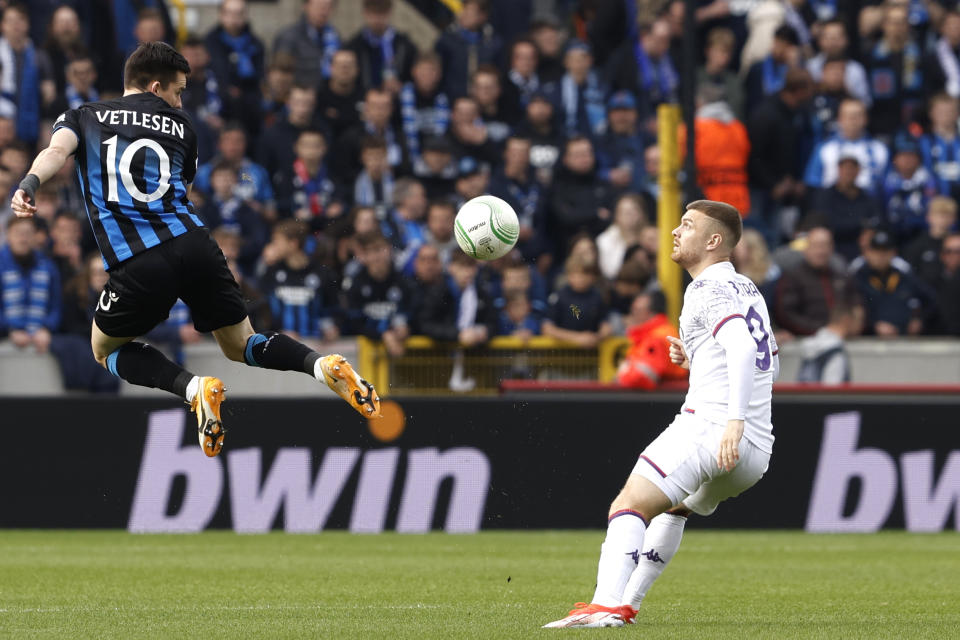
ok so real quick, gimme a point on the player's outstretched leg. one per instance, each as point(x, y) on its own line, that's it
point(141, 364)
point(283, 353)
point(660, 544)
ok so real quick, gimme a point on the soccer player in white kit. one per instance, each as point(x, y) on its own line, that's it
point(719, 444)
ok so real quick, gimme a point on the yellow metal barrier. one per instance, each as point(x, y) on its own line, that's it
point(668, 208)
point(432, 368)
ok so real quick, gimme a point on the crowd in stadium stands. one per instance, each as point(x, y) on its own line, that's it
point(332, 165)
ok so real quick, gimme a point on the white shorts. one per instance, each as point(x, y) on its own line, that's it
point(682, 462)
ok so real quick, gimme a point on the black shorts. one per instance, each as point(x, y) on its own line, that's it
point(140, 292)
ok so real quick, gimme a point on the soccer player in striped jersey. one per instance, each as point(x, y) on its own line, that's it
point(719, 444)
point(136, 157)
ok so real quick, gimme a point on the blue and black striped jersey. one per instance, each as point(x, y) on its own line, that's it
point(135, 159)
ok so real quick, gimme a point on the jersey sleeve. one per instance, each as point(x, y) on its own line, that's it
point(69, 119)
point(716, 304)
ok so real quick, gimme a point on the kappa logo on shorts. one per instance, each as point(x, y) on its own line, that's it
point(107, 298)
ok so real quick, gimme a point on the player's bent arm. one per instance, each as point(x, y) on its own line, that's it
point(741, 353)
point(62, 145)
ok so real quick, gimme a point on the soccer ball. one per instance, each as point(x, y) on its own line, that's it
point(486, 228)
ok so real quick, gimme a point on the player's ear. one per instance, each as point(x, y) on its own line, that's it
point(154, 87)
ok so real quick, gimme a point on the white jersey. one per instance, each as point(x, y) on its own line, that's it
point(716, 296)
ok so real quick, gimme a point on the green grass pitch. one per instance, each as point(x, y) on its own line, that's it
point(94, 584)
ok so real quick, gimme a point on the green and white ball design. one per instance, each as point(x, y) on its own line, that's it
point(487, 228)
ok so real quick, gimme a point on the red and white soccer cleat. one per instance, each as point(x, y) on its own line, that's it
point(206, 404)
point(347, 383)
point(595, 615)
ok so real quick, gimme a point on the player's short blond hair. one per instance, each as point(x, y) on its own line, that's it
point(727, 217)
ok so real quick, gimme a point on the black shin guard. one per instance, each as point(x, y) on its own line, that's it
point(141, 364)
point(280, 352)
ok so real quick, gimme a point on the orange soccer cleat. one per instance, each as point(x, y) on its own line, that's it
point(206, 404)
point(347, 383)
point(595, 615)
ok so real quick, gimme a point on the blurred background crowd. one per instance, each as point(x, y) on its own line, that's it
point(332, 164)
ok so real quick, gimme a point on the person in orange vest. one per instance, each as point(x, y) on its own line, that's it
point(647, 362)
point(722, 150)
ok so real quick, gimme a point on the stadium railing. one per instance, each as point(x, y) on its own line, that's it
point(429, 367)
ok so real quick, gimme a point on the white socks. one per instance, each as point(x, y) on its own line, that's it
point(318, 371)
point(619, 556)
point(192, 388)
point(659, 546)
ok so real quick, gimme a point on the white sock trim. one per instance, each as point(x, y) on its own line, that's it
point(192, 388)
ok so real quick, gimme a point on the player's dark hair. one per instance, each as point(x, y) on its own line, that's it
point(153, 61)
point(726, 215)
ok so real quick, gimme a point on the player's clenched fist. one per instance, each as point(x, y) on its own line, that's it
point(22, 203)
point(677, 354)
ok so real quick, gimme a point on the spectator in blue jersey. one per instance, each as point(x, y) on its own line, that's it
point(468, 42)
point(224, 208)
point(384, 54)
point(377, 299)
point(341, 95)
point(896, 301)
point(311, 41)
point(849, 209)
point(30, 295)
point(517, 276)
point(517, 318)
point(237, 62)
point(620, 147)
point(308, 190)
point(407, 219)
point(424, 107)
point(515, 183)
point(851, 139)
point(377, 120)
point(522, 80)
point(303, 296)
point(832, 43)
point(26, 77)
point(374, 185)
point(767, 76)
point(486, 90)
point(643, 67)
point(581, 93)
point(907, 188)
point(578, 313)
point(826, 101)
point(896, 74)
point(253, 182)
point(940, 148)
